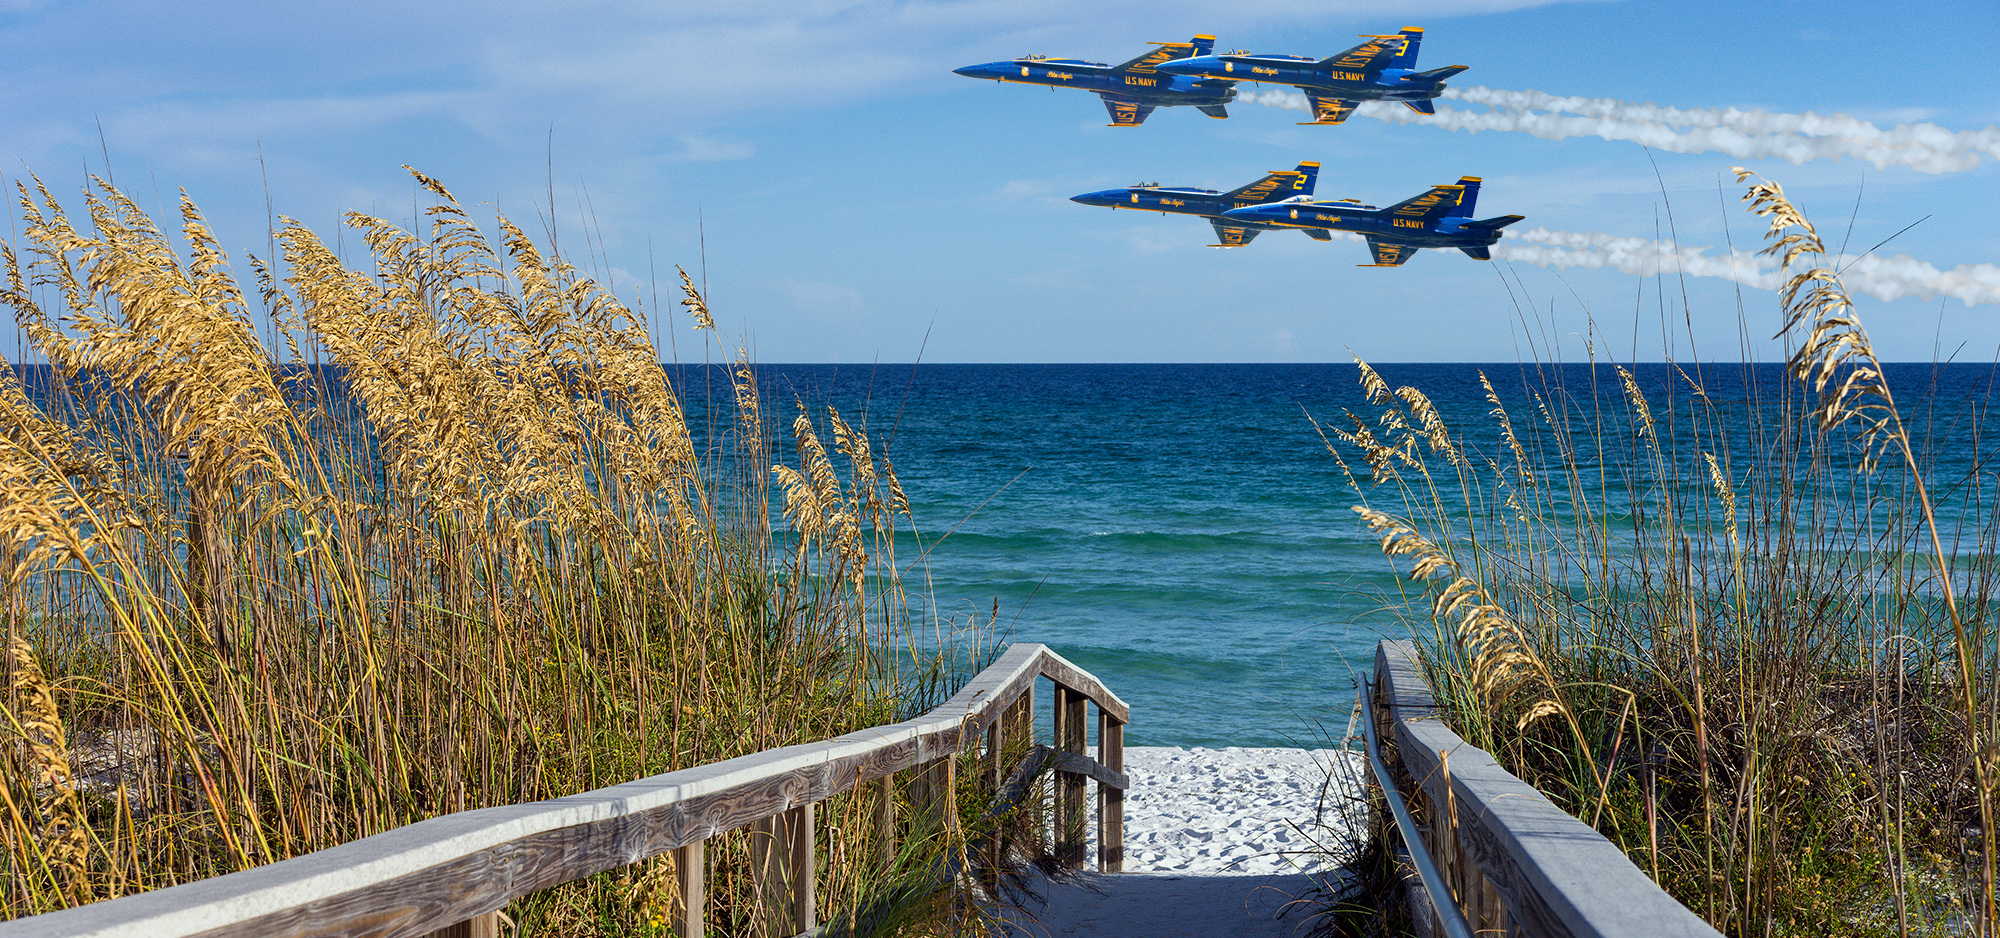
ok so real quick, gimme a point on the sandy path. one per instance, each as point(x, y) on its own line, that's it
point(1218, 842)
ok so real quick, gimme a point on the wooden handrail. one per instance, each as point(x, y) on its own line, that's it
point(451, 870)
point(1518, 864)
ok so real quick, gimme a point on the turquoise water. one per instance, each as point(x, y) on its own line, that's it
point(1179, 530)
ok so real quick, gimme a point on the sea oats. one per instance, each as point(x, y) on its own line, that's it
point(63, 836)
point(694, 303)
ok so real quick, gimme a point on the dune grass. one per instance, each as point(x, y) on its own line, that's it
point(1748, 641)
point(443, 540)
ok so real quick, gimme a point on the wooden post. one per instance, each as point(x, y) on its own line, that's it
point(1110, 800)
point(781, 851)
point(1024, 728)
point(885, 822)
point(1069, 733)
point(691, 875)
point(478, 926)
point(805, 869)
point(996, 740)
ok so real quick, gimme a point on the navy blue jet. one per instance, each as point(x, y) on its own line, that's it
point(1439, 218)
point(1130, 91)
point(1381, 69)
point(1210, 204)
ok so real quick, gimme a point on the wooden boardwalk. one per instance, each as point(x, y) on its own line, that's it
point(1171, 905)
point(1510, 861)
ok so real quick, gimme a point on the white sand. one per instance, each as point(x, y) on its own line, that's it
point(1218, 842)
point(1236, 810)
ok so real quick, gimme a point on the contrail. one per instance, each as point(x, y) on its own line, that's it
point(1884, 278)
point(1754, 134)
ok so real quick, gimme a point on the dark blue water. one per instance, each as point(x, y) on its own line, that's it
point(1181, 531)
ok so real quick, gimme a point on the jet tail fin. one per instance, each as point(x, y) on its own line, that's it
point(1167, 52)
point(1436, 74)
point(1406, 57)
point(1311, 171)
point(1466, 199)
point(1213, 110)
point(1479, 253)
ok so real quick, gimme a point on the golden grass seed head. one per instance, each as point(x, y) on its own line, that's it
point(694, 303)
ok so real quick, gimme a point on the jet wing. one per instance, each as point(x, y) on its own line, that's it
point(1318, 234)
point(1271, 188)
point(1229, 236)
point(1126, 113)
point(1388, 255)
point(1428, 207)
point(1368, 55)
point(1163, 52)
point(1329, 110)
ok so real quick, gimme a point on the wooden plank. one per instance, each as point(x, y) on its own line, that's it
point(479, 926)
point(434, 874)
point(1111, 796)
point(1058, 669)
point(691, 875)
point(1084, 767)
point(1553, 874)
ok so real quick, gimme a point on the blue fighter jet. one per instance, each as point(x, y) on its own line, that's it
point(1210, 204)
point(1130, 91)
point(1381, 69)
point(1440, 218)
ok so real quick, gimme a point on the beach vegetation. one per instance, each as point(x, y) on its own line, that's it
point(1746, 635)
point(443, 537)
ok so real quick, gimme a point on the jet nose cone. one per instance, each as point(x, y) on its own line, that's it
point(987, 70)
point(1104, 197)
point(1198, 65)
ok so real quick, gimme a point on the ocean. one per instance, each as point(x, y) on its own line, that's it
point(1180, 529)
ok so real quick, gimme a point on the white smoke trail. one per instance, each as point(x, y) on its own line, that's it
point(1884, 278)
point(1755, 134)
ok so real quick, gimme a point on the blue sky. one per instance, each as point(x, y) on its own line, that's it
point(861, 203)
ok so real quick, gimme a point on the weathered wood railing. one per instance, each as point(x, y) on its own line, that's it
point(450, 876)
point(1519, 865)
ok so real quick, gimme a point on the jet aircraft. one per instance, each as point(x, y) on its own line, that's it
point(1210, 204)
point(1439, 218)
point(1130, 91)
point(1381, 69)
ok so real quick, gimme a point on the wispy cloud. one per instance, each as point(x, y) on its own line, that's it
point(699, 149)
point(823, 298)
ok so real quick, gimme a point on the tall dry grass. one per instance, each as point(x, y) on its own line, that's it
point(453, 545)
point(1748, 640)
